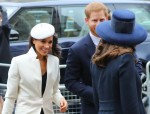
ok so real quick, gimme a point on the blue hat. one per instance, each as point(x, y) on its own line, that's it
point(121, 29)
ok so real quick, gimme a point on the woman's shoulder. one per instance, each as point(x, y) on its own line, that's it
point(54, 58)
point(19, 57)
point(126, 56)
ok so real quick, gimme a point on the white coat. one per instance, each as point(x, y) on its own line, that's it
point(24, 85)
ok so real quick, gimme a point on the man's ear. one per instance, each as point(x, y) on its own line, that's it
point(109, 14)
point(86, 20)
point(106, 18)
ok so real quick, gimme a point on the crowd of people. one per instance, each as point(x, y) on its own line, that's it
point(102, 68)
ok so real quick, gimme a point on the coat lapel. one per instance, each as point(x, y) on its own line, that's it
point(51, 73)
point(36, 64)
point(90, 46)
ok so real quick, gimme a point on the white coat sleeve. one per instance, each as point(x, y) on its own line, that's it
point(12, 88)
point(56, 92)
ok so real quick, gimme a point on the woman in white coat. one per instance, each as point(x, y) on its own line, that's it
point(33, 78)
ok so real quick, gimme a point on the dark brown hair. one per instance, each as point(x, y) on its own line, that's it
point(56, 49)
point(105, 52)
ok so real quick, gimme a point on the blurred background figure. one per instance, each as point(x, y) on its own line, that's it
point(5, 56)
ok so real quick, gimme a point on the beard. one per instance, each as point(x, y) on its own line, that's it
point(93, 32)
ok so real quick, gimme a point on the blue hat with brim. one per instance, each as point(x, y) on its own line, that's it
point(121, 29)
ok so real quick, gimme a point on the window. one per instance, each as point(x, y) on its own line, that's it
point(72, 20)
point(141, 11)
point(25, 19)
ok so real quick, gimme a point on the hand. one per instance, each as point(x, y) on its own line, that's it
point(1, 104)
point(63, 105)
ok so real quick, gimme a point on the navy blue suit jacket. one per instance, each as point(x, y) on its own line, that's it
point(117, 87)
point(77, 76)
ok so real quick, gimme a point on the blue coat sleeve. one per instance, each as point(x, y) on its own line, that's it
point(139, 65)
point(94, 85)
point(128, 85)
point(72, 78)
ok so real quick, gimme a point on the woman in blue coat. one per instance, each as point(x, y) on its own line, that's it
point(116, 84)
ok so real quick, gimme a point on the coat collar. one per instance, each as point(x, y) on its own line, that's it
point(32, 53)
point(90, 45)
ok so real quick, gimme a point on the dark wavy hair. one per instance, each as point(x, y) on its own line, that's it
point(105, 52)
point(56, 49)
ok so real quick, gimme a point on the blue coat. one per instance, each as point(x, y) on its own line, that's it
point(117, 87)
point(78, 77)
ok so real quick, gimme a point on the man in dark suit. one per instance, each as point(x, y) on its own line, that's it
point(5, 56)
point(78, 77)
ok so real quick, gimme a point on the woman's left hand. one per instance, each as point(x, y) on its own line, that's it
point(63, 105)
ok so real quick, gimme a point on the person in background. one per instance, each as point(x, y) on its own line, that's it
point(77, 74)
point(5, 56)
point(115, 78)
point(33, 78)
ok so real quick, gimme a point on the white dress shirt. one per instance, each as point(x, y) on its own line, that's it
point(95, 39)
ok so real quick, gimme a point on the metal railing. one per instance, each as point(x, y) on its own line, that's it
point(73, 100)
point(8, 65)
point(146, 85)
